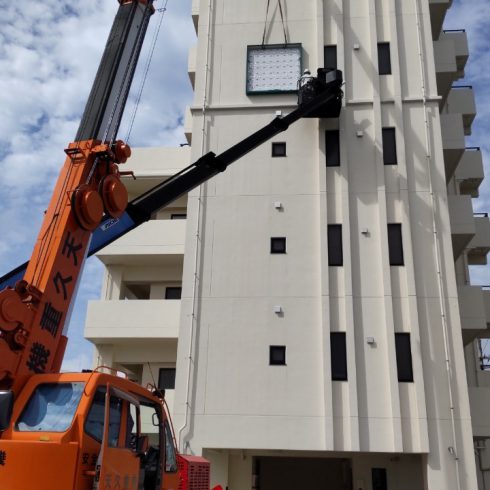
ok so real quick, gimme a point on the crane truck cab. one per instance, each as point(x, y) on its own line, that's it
point(85, 431)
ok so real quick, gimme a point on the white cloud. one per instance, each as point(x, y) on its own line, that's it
point(49, 54)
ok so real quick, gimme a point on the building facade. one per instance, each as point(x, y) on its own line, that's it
point(309, 311)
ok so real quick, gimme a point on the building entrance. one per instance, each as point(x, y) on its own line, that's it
point(271, 473)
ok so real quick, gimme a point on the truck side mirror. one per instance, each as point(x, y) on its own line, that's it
point(6, 406)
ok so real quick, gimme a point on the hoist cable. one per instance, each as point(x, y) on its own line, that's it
point(145, 72)
point(265, 24)
point(282, 20)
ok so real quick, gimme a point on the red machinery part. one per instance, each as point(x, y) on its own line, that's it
point(194, 472)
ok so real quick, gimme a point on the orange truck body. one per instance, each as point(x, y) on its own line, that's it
point(74, 456)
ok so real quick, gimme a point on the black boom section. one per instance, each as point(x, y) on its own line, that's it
point(324, 97)
point(105, 105)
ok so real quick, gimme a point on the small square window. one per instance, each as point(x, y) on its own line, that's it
point(173, 293)
point(338, 356)
point(178, 216)
point(389, 146)
point(278, 245)
point(277, 355)
point(166, 378)
point(278, 149)
point(384, 59)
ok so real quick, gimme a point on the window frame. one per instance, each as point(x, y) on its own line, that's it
point(276, 348)
point(404, 373)
point(330, 52)
point(389, 138)
point(278, 252)
point(160, 371)
point(332, 148)
point(396, 256)
point(384, 63)
point(340, 373)
point(277, 149)
point(334, 246)
point(173, 288)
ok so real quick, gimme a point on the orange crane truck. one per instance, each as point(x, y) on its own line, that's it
point(84, 431)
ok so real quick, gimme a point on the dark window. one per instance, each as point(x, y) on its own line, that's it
point(380, 482)
point(51, 408)
point(166, 378)
point(173, 293)
point(395, 243)
point(389, 146)
point(338, 355)
point(277, 355)
point(178, 216)
point(332, 148)
point(335, 245)
point(278, 149)
point(403, 357)
point(94, 423)
point(330, 56)
point(384, 59)
point(278, 245)
point(170, 456)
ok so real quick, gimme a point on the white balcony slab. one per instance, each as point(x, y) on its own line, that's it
point(115, 321)
point(156, 242)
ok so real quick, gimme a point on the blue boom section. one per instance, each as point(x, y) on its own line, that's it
point(109, 230)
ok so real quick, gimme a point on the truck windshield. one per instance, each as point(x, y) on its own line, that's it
point(51, 408)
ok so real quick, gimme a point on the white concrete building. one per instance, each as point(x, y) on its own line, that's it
point(326, 335)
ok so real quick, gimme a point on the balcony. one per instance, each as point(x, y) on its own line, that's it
point(156, 242)
point(461, 100)
point(462, 222)
point(116, 321)
point(479, 245)
point(453, 142)
point(469, 174)
point(438, 9)
point(191, 65)
point(446, 68)
point(195, 14)
point(461, 51)
point(474, 309)
point(151, 166)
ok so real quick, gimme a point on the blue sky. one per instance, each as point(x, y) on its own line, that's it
point(49, 53)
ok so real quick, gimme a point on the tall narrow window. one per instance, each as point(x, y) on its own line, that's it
point(330, 56)
point(338, 356)
point(403, 357)
point(384, 59)
point(278, 245)
point(380, 481)
point(389, 146)
point(395, 243)
point(335, 257)
point(166, 378)
point(332, 148)
point(277, 355)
